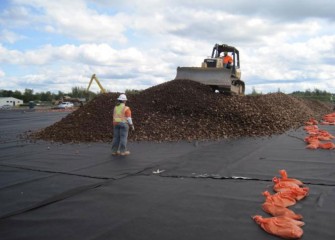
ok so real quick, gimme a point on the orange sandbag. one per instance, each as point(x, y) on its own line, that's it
point(297, 193)
point(324, 138)
point(280, 199)
point(313, 145)
point(281, 226)
point(324, 135)
point(284, 177)
point(284, 186)
point(311, 139)
point(330, 118)
point(311, 121)
point(327, 145)
point(312, 129)
point(276, 211)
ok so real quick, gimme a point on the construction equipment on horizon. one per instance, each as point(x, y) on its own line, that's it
point(214, 72)
point(97, 81)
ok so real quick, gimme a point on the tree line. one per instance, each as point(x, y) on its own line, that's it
point(29, 95)
point(315, 94)
point(79, 92)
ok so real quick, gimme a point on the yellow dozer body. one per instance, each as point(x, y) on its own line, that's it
point(214, 73)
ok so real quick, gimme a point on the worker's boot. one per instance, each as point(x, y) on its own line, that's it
point(116, 153)
point(125, 153)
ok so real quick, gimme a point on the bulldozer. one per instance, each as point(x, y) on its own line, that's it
point(213, 72)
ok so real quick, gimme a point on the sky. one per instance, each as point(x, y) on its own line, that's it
point(54, 46)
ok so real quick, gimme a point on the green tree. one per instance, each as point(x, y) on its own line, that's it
point(254, 92)
point(132, 91)
point(79, 92)
point(7, 93)
point(60, 95)
point(28, 95)
point(308, 92)
point(17, 94)
point(46, 96)
point(316, 94)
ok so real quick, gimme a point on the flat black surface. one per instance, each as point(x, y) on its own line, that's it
point(205, 190)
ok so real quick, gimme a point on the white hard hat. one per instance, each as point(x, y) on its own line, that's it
point(122, 97)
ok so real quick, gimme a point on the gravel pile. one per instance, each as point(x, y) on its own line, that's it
point(186, 110)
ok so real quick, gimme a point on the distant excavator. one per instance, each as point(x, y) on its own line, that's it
point(215, 74)
point(98, 82)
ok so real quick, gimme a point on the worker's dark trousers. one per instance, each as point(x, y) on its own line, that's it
point(120, 135)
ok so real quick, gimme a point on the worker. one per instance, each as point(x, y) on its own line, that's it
point(227, 60)
point(121, 122)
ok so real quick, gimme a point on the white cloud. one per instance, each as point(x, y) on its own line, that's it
point(10, 56)
point(9, 36)
point(15, 16)
point(136, 44)
point(74, 19)
point(61, 67)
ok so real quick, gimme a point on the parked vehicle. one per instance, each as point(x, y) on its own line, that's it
point(65, 105)
point(6, 107)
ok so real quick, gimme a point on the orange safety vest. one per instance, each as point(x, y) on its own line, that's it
point(227, 59)
point(120, 113)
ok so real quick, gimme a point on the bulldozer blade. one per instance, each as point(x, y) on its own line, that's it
point(220, 77)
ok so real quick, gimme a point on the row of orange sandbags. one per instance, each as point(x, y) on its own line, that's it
point(316, 136)
point(285, 223)
point(329, 119)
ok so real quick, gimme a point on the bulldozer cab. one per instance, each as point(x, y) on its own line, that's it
point(217, 53)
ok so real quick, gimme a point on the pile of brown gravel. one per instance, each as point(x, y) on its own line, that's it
point(186, 110)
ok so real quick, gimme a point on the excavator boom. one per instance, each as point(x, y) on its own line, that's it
point(98, 82)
